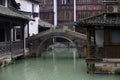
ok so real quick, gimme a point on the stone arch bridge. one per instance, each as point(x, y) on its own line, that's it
point(40, 41)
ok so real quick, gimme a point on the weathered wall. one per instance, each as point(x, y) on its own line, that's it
point(27, 7)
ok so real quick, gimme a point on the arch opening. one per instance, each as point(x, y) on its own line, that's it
point(49, 40)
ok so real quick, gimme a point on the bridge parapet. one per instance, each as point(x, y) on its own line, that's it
point(60, 31)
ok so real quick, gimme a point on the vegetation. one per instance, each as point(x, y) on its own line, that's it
point(117, 71)
point(13, 60)
point(0, 63)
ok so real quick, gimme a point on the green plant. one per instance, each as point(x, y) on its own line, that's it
point(13, 60)
point(0, 63)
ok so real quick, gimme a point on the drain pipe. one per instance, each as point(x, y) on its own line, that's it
point(55, 17)
point(74, 14)
point(55, 12)
point(74, 10)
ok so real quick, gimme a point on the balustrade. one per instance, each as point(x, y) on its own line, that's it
point(17, 48)
point(11, 48)
point(96, 52)
point(4, 48)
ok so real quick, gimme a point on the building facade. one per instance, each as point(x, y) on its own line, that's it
point(12, 29)
point(103, 39)
point(31, 9)
point(65, 12)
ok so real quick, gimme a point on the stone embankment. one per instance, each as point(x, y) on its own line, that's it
point(4, 61)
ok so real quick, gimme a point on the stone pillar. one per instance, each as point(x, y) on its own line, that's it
point(11, 38)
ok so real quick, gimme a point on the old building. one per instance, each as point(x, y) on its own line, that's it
point(31, 9)
point(12, 29)
point(46, 11)
point(103, 45)
point(65, 12)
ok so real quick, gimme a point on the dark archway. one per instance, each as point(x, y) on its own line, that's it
point(45, 41)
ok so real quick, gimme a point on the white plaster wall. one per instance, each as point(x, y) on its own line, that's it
point(33, 27)
point(99, 34)
point(26, 6)
point(36, 8)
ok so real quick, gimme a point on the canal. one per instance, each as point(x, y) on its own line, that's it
point(59, 64)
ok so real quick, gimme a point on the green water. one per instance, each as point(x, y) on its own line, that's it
point(60, 64)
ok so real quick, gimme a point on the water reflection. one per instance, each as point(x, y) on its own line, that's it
point(61, 65)
point(74, 59)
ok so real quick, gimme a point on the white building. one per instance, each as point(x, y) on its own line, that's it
point(31, 9)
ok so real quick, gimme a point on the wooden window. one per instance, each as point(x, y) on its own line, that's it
point(84, 1)
point(46, 1)
point(116, 37)
point(64, 1)
point(18, 33)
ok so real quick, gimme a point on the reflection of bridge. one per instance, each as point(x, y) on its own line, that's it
point(40, 41)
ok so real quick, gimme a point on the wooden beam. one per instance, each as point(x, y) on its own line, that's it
point(17, 21)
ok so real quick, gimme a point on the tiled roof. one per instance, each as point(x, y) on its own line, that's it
point(103, 19)
point(10, 13)
point(45, 24)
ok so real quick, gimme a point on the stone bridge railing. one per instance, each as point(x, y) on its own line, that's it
point(53, 31)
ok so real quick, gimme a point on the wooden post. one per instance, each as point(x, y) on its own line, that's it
point(94, 37)
point(88, 42)
point(11, 39)
point(89, 67)
point(104, 44)
point(23, 37)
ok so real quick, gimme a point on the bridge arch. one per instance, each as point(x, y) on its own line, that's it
point(42, 44)
point(40, 40)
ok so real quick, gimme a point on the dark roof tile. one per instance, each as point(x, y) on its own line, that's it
point(9, 12)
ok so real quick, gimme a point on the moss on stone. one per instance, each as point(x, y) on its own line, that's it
point(0, 63)
point(117, 71)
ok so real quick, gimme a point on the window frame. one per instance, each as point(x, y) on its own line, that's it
point(113, 40)
point(16, 33)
